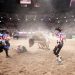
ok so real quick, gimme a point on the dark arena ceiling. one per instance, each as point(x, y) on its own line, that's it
point(14, 5)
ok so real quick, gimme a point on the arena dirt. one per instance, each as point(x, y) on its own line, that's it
point(38, 61)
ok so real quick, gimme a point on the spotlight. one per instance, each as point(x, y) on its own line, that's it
point(65, 17)
point(41, 19)
point(49, 19)
point(26, 19)
point(34, 19)
point(66, 21)
point(37, 5)
point(72, 16)
point(57, 18)
point(1, 17)
point(18, 19)
point(74, 20)
point(10, 18)
point(0, 21)
point(58, 21)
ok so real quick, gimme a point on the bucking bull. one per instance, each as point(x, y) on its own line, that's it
point(41, 39)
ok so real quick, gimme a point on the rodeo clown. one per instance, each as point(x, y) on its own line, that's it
point(4, 43)
point(60, 41)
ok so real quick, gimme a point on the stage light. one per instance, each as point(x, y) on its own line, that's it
point(72, 16)
point(37, 5)
point(74, 20)
point(1, 17)
point(18, 19)
point(0, 21)
point(65, 17)
point(49, 19)
point(57, 18)
point(34, 19)
point(58, 21)
point(26, 19)
point(41, 19)
point(10, 18)
point(66, 21)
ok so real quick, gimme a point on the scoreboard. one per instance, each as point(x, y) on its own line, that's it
point(25, 1)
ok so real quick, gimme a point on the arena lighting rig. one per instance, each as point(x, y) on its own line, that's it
point(25, 3)
point(46, 33)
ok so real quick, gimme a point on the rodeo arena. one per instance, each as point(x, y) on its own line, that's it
point(37, 37)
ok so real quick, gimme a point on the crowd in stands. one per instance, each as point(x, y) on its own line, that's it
point(16, 21)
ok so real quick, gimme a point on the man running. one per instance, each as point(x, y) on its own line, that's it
point(3, 44)
point(6, 38)
point(60, 41)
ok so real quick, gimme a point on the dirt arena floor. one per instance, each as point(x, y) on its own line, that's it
point(38, 61)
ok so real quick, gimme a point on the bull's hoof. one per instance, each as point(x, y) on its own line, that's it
point(1, 50)
point(8, 56)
